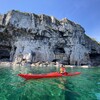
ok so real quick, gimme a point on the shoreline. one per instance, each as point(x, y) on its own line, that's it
point(44, 64)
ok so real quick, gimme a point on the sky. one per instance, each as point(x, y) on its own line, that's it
point(84, 12)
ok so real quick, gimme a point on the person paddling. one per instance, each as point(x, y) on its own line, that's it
point(62, 69)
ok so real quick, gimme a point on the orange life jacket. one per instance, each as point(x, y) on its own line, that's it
point(62, 70)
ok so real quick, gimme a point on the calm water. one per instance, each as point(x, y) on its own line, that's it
point(82, 87)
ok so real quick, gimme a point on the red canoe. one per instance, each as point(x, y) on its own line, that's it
point(48, 75)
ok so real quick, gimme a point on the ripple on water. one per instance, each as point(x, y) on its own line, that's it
point(98, 96)
point(98, 83)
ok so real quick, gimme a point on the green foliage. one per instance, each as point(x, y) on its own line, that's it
point(95, 40)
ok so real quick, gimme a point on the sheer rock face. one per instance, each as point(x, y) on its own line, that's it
point(31, 38)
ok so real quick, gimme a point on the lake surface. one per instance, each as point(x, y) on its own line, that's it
point(82, 87)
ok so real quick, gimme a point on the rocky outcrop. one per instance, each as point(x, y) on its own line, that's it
point(26, 37)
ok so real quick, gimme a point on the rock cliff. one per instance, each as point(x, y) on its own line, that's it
point(27, 37)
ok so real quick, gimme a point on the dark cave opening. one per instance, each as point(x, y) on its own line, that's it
point(4, 55)
point(94, 55)
point(55, 60)
point(59, 50)
point(95, 58)
point(60, 55)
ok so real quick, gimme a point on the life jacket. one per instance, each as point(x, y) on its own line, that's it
point(62, 70)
